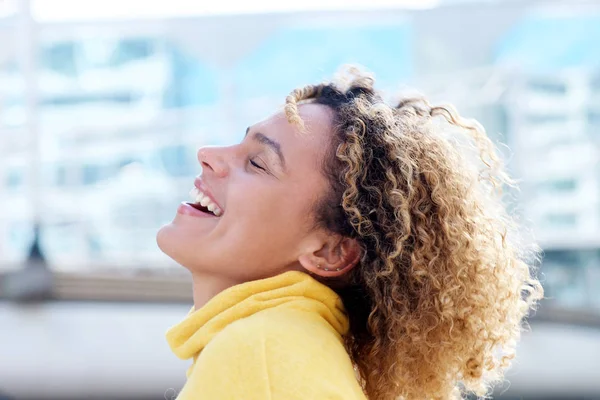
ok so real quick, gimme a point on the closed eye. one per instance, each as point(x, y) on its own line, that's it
point(256, 165)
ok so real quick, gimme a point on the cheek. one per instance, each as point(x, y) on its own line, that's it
point(276, 215)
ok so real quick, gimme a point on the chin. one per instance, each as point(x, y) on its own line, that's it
point(168, 243)
point(162, 238)
point(176, 244)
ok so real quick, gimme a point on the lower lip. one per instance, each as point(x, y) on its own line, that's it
point(186, 209)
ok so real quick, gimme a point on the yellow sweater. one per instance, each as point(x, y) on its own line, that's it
point(273, 339)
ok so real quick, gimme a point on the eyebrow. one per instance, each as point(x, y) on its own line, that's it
point(275, 146)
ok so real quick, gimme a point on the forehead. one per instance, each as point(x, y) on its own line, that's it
point(295, 143)
point(317, 119)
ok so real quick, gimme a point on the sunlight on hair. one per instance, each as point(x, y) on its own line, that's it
point(447, 275)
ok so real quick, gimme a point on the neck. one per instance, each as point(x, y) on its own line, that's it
point(207, 286)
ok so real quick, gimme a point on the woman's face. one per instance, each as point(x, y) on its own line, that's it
point(266, 187)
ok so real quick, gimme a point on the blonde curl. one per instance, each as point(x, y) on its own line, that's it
point(438, 300)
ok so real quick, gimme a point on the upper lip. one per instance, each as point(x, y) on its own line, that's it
point(200, 185)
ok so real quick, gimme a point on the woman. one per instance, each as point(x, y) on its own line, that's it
point(349, 249)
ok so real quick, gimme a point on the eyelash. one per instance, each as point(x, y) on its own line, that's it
point(256, 165)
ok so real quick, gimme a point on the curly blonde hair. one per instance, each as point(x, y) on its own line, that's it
point(438, 300)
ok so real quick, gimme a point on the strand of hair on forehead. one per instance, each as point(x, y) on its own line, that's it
point(292, 100)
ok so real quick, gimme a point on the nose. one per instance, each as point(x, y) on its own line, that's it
point(213, 159)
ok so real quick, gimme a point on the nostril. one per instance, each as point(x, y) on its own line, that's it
point(211, 159)
point(202, 156)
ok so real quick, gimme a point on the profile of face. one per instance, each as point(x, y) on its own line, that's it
point(264, 190)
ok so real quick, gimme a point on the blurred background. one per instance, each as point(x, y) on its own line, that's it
point(104, 104)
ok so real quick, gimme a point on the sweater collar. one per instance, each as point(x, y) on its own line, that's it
point(292, 289)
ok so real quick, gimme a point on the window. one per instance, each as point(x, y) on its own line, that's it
point(132, 50)
point(60, 178)
point(560, 220)
point(595, 83)
point(547, 119)
point(15, 178)
point(593, 118)
point(91, 174)
point(568, 277)
point(558, 185)
point(563, 278)
point(177, 160)
point(88, 98)
point(60, 58)
point(551, 88)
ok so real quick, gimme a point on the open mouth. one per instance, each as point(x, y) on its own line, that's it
point(202, 208)
point(204, 203)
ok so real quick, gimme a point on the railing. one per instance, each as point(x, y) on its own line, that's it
point(114, 287)
point(176, 287)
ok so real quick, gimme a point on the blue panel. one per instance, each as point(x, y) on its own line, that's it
point(192, 82)
point(298, 56)
point(546, 44)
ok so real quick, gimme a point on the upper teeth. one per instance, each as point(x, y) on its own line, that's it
point(205, 201)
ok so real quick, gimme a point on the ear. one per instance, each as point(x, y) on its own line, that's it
point(335, 256)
